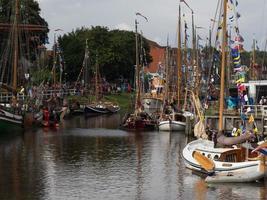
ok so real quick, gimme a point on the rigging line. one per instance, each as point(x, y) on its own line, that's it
point(211, 56)
point(235, 16)
point(211, 59)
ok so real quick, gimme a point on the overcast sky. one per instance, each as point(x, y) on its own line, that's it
point(162, 15)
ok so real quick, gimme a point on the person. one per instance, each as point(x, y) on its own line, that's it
point(237, 129)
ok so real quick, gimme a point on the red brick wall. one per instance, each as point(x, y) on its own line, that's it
point(158, 55)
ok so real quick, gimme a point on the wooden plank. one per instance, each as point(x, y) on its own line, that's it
point(204, 162)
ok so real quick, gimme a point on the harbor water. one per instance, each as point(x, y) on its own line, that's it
point(90, 158)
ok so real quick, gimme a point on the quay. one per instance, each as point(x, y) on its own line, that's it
point(259, 113)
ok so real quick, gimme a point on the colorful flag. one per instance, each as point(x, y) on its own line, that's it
point(251, 119)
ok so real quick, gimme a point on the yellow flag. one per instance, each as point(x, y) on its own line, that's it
point(251, 119)
point(241, 80)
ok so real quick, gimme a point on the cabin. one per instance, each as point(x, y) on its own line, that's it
point(257, 89)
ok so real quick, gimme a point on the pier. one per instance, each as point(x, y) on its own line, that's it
point(6, 97)
point(259, 113)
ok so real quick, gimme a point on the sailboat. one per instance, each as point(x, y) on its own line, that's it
point(171, 119)
point(139, 120)
point(100, 106)
point(231, 164)
point(11, 113)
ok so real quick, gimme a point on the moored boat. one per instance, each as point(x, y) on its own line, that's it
point(140, 122)
point(101, 108)
point(9, 120)
point(172, 122)
point(230, 164)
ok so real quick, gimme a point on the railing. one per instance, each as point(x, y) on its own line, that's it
point(7, 96)
point(257, 110)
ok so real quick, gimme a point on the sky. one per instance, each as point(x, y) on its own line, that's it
point(162, 15)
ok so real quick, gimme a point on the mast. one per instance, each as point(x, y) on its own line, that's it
point(137, 73)
point(54, 61)
point(253, 60)
point(142, 87)
point(179, 60)
point(167, 72)
point(193, 41)
point(223, 66)
point(186, 67)
point(86, 73)
point(96, 79)
point(16, 49)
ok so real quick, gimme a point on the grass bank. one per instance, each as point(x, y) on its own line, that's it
point(124, 100)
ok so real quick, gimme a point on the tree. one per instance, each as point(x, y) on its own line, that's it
point(114, 51)
point(29, 40)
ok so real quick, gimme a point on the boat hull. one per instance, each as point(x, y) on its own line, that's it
point(10, 121)
point(98, 110)
point(245, 171)
point(169, 125)
point(138, 126)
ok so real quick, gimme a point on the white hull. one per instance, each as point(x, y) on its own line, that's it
point(246, 171)
point(169, 125)
point(10, 117)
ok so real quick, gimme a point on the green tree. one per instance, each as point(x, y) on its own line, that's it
point(114, 50)
point(29, 40)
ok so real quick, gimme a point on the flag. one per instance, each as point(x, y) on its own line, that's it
point(239, 38)
point(185, 25)
point(241, 80)
point(141, 16)
point(241, 87)
point(58, 29)
point(251, 119)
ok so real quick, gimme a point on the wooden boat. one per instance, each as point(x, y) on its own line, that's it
point(11, 113)
point(234, 164)
point(139, 120)
point(101, 108)
point(171, 119)
point(172, 122)
point(98, 106)
point(230, 164)
point(9, 119)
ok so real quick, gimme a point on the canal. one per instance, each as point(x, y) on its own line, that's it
point(90, 158)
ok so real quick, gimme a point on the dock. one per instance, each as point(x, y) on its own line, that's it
point(259, 113)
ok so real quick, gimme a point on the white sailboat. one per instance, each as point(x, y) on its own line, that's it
point(174, 120)
point(225, 164)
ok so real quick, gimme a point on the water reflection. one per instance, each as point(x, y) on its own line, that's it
point(75, 162)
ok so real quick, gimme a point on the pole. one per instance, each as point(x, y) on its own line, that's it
point(223, 67)
point(16, 50)
point(193, 41)
point(137, 73)
point(179, 60)
point(54, 61)
point(186, 68)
